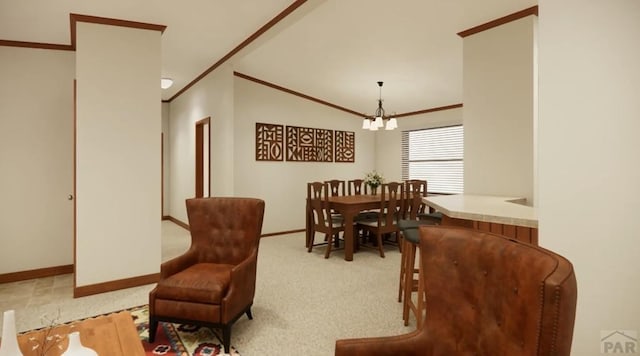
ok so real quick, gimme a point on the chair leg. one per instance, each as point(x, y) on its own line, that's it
point(311, 241)
point(249, 315)
point(153, 327)
point(379, 236)
point(409, 263)
point(329, 243)
point(226, 338)
point(403, 257)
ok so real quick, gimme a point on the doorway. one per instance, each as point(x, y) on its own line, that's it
point(203, 160)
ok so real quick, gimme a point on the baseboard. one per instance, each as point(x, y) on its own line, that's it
point(176, 221)
point(36, 273)
point(115, 285)
point(186, 226)
point(282, 233)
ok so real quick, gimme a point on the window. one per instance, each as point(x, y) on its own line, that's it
point(435, 155)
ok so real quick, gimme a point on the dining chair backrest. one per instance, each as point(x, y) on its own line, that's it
point(336, 187)
point(415, 190)
point(391, 203)
point(357, 187)
point(318, 197)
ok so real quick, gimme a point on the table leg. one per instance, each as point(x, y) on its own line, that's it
point(308, 222)
point(348, 235)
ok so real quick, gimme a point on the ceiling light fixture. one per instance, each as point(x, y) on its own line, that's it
point(377, 120)
point(166, 83)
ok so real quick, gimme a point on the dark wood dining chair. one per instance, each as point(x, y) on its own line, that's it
point(356, 187)
point(415, 190)
point(336, 187)
point(391, 211)
point(323, 220)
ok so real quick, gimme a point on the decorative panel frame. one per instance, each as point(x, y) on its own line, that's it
point(305, 144)
point(269, 142)
point(345, 146)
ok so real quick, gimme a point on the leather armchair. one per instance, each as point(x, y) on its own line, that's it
point(485, 295)
point(213, 283)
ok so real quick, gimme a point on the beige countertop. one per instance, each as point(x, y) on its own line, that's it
point(501, 210)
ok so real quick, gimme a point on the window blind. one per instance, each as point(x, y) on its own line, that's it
point(437, 155)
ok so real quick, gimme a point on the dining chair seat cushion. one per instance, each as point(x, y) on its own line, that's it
point(374, 222)
point(410, 230)
point(367, 215)
point(200, 283)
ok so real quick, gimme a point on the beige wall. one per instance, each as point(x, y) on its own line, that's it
point(498, 110)
point(36, 158)
point(118, 153)
point(210, 97)
point(588, 157)
point(283, 184)
point(166, 181)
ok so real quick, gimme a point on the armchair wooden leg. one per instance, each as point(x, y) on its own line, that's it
point(249, 315)
point(153, 327)
point(226, 338)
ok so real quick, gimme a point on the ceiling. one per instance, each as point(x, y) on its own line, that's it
point(332, 50)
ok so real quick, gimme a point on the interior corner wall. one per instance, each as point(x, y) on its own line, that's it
point(166, 163)
point(498, 96)
point(588, 160)
point(389, 143)
point(210, 97)
point(118, 127)
point(283, 184)
point(36, 158)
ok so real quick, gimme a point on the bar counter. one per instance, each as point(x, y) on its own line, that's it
point(508, 216)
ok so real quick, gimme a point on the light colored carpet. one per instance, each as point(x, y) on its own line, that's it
point(303, 302)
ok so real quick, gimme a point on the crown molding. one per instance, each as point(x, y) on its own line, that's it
point(426, 111)
point(501, 21)
point(291, 8)
point(53, 46)
point(292, 92)
point(326, 103)
point(75, 18)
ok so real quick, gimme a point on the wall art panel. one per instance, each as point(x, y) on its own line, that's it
point(345, 146)
point(305, 144)
point(269, 142)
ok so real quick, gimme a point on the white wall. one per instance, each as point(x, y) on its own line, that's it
point(389, 143)
point(118, 153)
point(589, 178)
point(283, 184)
point(498, 110)
point(210, 97)
point(36, 158)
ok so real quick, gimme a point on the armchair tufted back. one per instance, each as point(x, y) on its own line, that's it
point(224, 230)
point(489, 295)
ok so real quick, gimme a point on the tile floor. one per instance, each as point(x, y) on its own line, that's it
point(37, 300)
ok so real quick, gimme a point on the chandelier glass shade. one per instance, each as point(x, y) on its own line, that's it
point(377, 121)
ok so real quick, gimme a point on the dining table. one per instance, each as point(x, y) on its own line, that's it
point(348, 206)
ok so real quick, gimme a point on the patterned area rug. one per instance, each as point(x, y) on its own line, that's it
point(177, 339)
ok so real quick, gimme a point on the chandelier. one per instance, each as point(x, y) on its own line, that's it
point(377, 121)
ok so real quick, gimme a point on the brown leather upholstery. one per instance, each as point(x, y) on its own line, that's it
point(485, 295)
point(212, 283)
